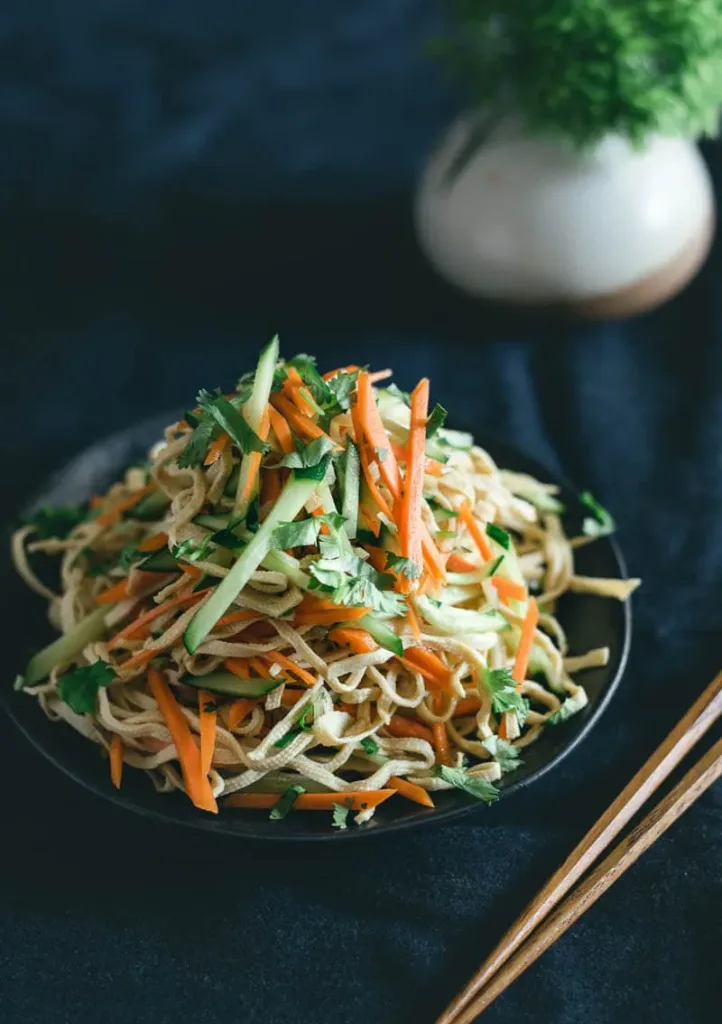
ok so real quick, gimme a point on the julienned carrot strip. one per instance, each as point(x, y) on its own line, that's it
point(375, 433)
point(379, 375)
point(295, 390)
point(243, 615)
point(432, 556)
point(467, 706)
point(355, 801)
point(113, 514)
point(281, 429)
point(238, 666)
point(291, 666)
point(372, 522)
point(140, 659)
point(238, 710)
point(455, 563)
point(354, 637)
point(428, 664)
point(303, 425)
point(330, 618)
point(340, 369)
point(289, 697)
point(196, 782)
point(207, 715)
point(377, 558)
point(433, 468)
point(501, 731)
point(408, 727)
point(526, 639)
point(254, 466)
point(168, 606)
point(411, 791)
point(260, 668)
point(477, 534)
point(441, 742)
point(117, 593)
point(508, 590)
point(409, 516)
point(413, 621)
point(116, 760)
point(216, 449)
point(155, 542)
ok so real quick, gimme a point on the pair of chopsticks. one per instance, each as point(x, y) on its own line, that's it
point(549, 915)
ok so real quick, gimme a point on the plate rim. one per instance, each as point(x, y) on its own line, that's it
point(216, 825)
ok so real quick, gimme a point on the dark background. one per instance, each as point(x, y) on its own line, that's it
point(177, 182)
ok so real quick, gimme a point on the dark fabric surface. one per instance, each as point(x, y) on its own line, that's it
point(142, 259)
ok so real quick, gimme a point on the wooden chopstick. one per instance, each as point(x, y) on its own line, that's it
point(691, 727)
point(699, 778)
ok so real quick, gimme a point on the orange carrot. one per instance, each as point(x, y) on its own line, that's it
point(340, 369)
point(467, 706)
point(411, 791)
point(501, 731)
point(295, 390)
point(196, 782)
point(409, 727)
point(409, 515)
point(355, 801)
point(207, 728)
point(281, 430)
point(216, 449)
point(238, 710)
point(508, 590)
point(413, 621)
point(155, 542)
point(455, 563)
point(96, 501)
point(303, 425)
point(374, 430)
point(431, 667)
point(254, 466)
point(379, 375)
point(372, 522)
point(132, 629)
point(238, 666)
point(441, 742)
point(116, 760)
point(526, 639)
point(117, 593)
point(243, 615)
point(303, 674)
point(433, 468)
point(289, 697)
point(113, 514)
point(352, 636)
point(329, 618)
point(259, 666)
point(140, 659)
point(477, 535)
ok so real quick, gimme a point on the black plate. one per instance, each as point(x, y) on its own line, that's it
point(589, 622)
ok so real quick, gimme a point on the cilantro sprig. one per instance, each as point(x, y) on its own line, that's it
point(352, 581)
point(475, 785)
point(504, 695)
point(79, 687)
point(504, 753)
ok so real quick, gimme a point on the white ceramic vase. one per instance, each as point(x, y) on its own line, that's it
point(523, 220)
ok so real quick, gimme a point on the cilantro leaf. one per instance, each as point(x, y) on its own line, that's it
point(402, 566)
point(501, 537)
point(353, 581)
point(197, 445)
point(308, 455)
point(569, 707)
point(56, 522)
point(79, 687)
point(369, 746)
point(306, 367)
point(504, 694)
point(602, 522)
point(340, 814)
point(304, 532)
point(343, 386)
point(189, 551)
point(216, 409)
point(436, 420)
point(474, 785)
point(362, 593)
point(396, 392)
point(285, 804)
point(504, 753)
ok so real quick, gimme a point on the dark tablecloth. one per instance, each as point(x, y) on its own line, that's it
point(174, 190)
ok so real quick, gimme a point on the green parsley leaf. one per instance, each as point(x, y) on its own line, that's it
point(304, 532)
point(56, 522)
point(602, 524)
point(402, 566)
point(79, 687)
point(436, 420)
point(306, 367)
point(308, 455)
point(396, 392)
point(217, 409)
point(504, 753)
point(504, 694)
point(501, 537)
point(369, 746)
point(197, 445)
point(340, 814)
point(343, 386)
point(353, 581)
point(285, 804)
point(474, 785)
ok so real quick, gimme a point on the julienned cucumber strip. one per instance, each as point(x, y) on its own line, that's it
point(452, 621)
point(64, 649)
point(231, 686)
point(351, 486)
point(152, 506)
point(382, 633)
point(159, 561)
point(254, 409)
point(299, 488)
